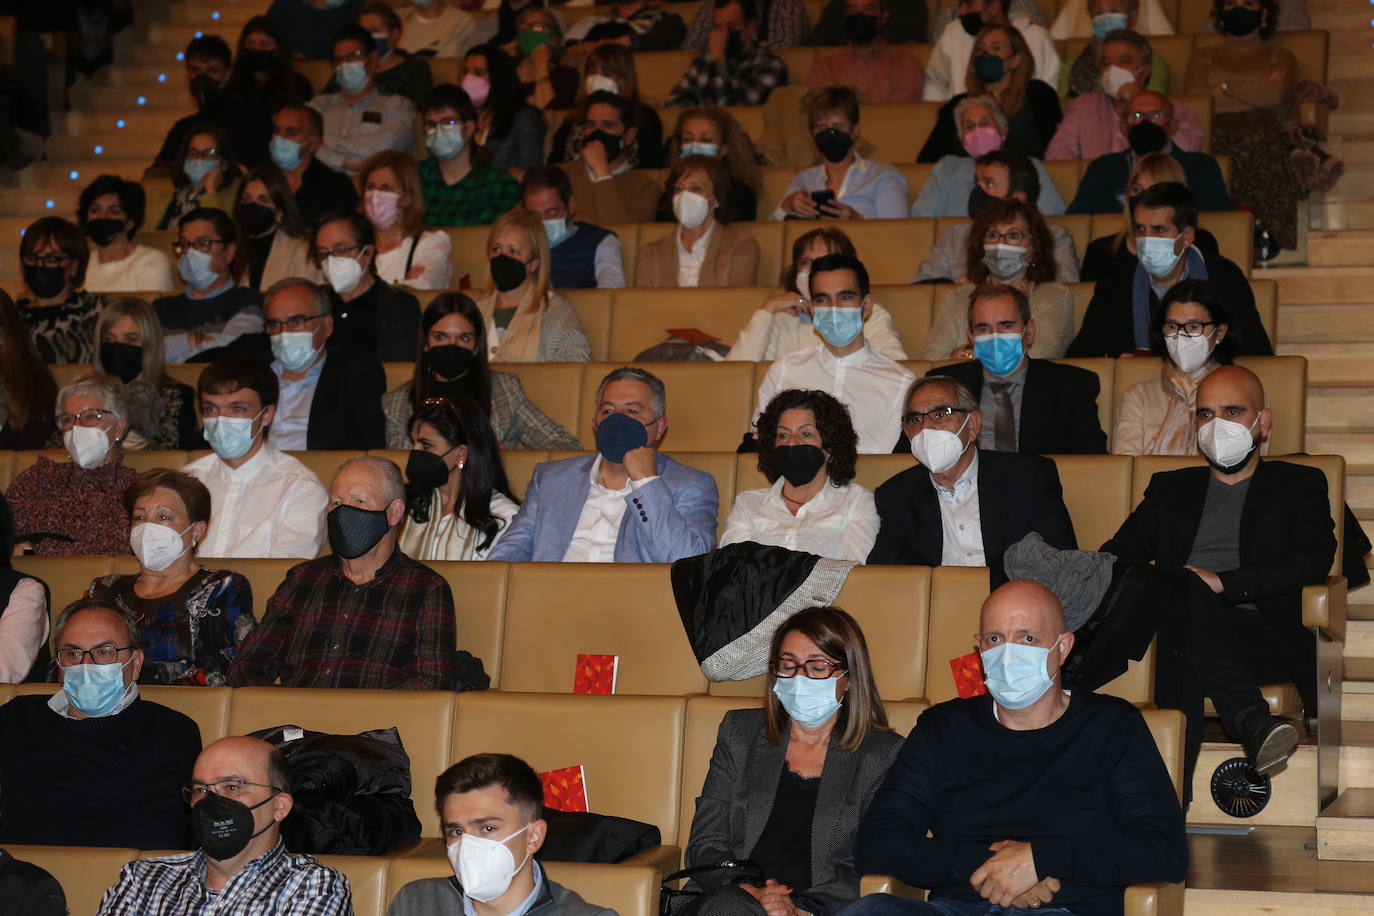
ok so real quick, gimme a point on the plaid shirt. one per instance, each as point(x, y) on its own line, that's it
point(276, 883)
point(477, 199)
point(322, 630)
point(746, 81)
point(784, 25)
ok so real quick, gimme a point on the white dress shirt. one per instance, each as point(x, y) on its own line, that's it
point(868, 383)
point(433, 248)
point(598, 527)
point(689, 262)
point(960, 519)
point(773, 335)
point(271, 506)
point(838, 522)
point(875, 189)
point(23, 628)
point(292, 423)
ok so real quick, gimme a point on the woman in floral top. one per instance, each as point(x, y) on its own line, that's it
point(53, 254)
point(193, 619)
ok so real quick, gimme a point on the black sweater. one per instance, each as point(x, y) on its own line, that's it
point(1089, 792)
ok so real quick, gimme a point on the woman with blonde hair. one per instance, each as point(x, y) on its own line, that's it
point(527, 321)
point(128, 346)
point(394, 202)
point(715, 132)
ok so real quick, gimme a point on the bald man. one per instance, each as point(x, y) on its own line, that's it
point(238, 796)
point(1034, 796)
point(1253, 532)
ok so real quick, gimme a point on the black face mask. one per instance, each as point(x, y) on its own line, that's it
point(257, 220)
point(258, 61)
point(507, 273)
point(353, 531)
point(45, 282)
point(104, 231)
point(798, 464)
point(734, 45)
point(1146, 137)
point(1239, 21)
point(450, 360)
point(972, 23)
point(614, 145)
point(206, 89)
point(977, 200)
point(223, 826)
point(833, 143)
point(123, 361)
point(426, 469)
point(860, 28)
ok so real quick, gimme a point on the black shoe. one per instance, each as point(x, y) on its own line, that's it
point(1270, 744)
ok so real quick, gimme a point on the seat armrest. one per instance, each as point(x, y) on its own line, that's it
point(1158, 898)
point(886, 884)
point(666, 859)
point(1315, 113)
point(1324, 607)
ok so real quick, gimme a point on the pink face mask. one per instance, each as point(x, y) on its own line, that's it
point(982, 140)
point(477, 89)
point(382, 207)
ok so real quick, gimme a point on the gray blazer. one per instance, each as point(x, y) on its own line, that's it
point(737, 799)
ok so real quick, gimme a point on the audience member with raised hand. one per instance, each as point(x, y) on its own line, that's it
point(393, 201)
point(370, 315)
point(951, 188)
point(814, 755)
point(461, 185)
point(703, 249)
point(214, 311)
point(807, 450)
point(963, 506)
point(238, 796)
point(110, 212)
point(526, 319)
point(1147, 123)
point(367, 615)
point(220, 101)
point(273, 236)
point(267, 504)
point(360, 119)
point(453, 364)
point(263, 67)
point(64, 756)
point(311, 24)
point(1086, 74)
point(628, 503)
point(1001, 66)
point(72, 508)
point(458, 501)
point(611, 68)
point(880, 72)
point(642, 25)
point(58, 314)
point(298, 133)
point(27, 386)
point(1192, 336)
point(205, 175)
point(783, 324)
point(783, 24)
point(734, 67)
point(1095, 18)
point(399, 72)
point(509, 130)
point(548, 84)
point(1163, 236)
point(162, 411)
point(845, 185)
point(1025, 48)
point(715, 132)
point(331, 396)
point(436, 28)
point(191, 619)
point(608, 189)
point(843, 365)
point(1102, 253)
point(24, 652)
point(1008, 243)
point(582, 256)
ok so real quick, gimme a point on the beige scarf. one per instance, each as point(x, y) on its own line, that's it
point(520, 342)
point(1177, 435)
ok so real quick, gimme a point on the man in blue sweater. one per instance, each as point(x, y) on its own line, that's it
point(1033, 796)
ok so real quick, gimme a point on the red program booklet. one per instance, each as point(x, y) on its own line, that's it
point(968, 675)
point(565, 789)
point(596, 673)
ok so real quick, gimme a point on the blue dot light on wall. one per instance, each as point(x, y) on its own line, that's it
point(181, 55)
point(141, 100)
point(49, 204)
point(198, 34)
point(120, 124)
point(98, 150)
point(73, 174)
point(215, 15)
point(162, 77)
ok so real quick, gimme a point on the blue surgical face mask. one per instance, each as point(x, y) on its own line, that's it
point(556, 230)
point(286, 154)
point(95, 690)
point(839, 326)
point(196, 169)
point(230, 437)
point(1000, 354)
point(1106, 23)
point(700, 149)
point(1157, 255)
point(808, 701)
point(352, 75)
point(197, 269)
point(294, 349)
point(1017, 674)
point(445, 142)
point(619, 434)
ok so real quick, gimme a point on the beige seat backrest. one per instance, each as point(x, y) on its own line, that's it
point(636, 778)
point(1064, 173)
point(709, 404)
point(556, 388)
point(468, 245)
point(1082, 295)
point(66, 373)
point(799, 61)
point(1097, 493)
point(85, 872)
point(6, 692)
point(890, 249)
point(1166, 727)
point(208, 707)
point(749, 117)
point(1079, 226)
point(324, 462)
point(643, 315)
point(186, 373)
point(1104, 369)
point(1267, 304)
point(6, 468)
point(557, 611)
point(593, 308)
point(146, 460)
point(957, 594)
point(520, 467)
point(67, 578)
point(916, 175)
point(872, 471)
point(628, 890)
point(911, 307)
point(479, 602)
point(896, 130)
point(774, 180)
point(366, 880)
point(424, 719)
point(1235, 233)
point(659, 72)
point(1310, 47)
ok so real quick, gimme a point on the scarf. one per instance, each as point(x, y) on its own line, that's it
point(520, 342)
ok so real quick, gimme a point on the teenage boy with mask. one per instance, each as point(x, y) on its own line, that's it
point(358, 119)
point(733, 69)
point(207, 60)
point(494, 874)
point(239, 795)
point(871, 65)
point(608, 191)
point(459, 185)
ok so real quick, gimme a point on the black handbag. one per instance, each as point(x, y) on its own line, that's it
point(708, 878)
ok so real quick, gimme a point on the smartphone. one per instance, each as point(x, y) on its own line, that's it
point(821, 198)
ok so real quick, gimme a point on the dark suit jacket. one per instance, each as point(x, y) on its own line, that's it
point(1058, 407)
point(346, 412)
point(742, 782)
point(1100, 261)
point(1017, 494)
point(1107, 175)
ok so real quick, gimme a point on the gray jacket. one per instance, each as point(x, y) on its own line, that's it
point(444, 897)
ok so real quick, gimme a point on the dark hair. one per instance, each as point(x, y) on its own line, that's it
point(461, 421)
point(623, 106)
point(478, 379)
point(272, 178)
point(281, 78)
point(224, 228)
point(66, 236)
point(133, 200)
point(192, 492)
point(506, 97)
point(358, 223)
point(447, 95)
point(352, 32)
point(228, 162)
point(208, 47)
point(26, 380)
point(311, 114)
point(749, 8)
point(832, 99)
point(549, 177)
point(1269, 17)
point(832, 422)
point(236, 373)
point(1169, 194)
point(1040, 266)
point(995, 289)
point(834, 238)
point(383, 11)
point(1021, 173)
point(841, 262)
point(278, 770)
point(715, 172)
point(621, 61)
point(6, 533)
point(515, 776)
point(1205, 294)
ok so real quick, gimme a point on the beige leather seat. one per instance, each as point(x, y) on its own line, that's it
point(1267, 304)
point(1065, 173)
point(1097, 493)
point(890, 249)
point(1079, 226)
point(896, 130)
point(911, 307)
point(555, 387)
point(629, 890)
point(85, 872)
point(479, 602)
point(593, 308)
point(659, 72)
point(186, 373)
point(956, 595)
point(520, 467)
point(367, 880)
point(643, 315)
point(709, 404)
point(6, 468)
point(67, 578)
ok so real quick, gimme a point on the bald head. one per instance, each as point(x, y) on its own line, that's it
point(1148, 107)
point(249, 759)
point(1023, 606)
point(1232, 383)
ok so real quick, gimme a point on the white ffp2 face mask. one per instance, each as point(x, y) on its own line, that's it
point(1226, 443)
point(691, 208)
point(485, 867)
point(1188, 353)
point(939, 449)
point(157, 546)
point(87, 446)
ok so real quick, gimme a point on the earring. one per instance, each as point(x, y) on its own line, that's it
point(460, 465)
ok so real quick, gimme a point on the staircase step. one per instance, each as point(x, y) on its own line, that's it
point(138, 121)
point(90, 145)
point(1357, 702)
point(1337, 213)
point(1354, 92)
point(1339, 248)
point(1293, 802)
point(1349, 66)
point(169, 94)
point(140, 75)
point(1345, 829)
point(1359, 644)
point(1348, 40)
point(1301, 322)
point(1307, 285)
point(1340, 408)
point(52, 174)
point(216, 13)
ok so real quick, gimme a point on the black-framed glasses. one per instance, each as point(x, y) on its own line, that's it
point(106, 654)
point(203, 245)
point(446, 123)
point(1014, 237)
point(227, 788)
point(46, 260)
point(1186, 328)
point(338, 251)
point(294, 323)
point(91, 416)
point(818, 669)
point(916, 419)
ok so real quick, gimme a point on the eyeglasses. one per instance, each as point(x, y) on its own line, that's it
point(46, 260)
point(294, 323)
point(916, 419)
point(1159, 116)
point(106, 654)
point(816, 668)
point(1014, 237)
point(359, 54)
point(203, 245)
point(226, 788)
point(91, 416)
point(1187, 328)
point(210, 153)
point(446, 123)
point(338, 251)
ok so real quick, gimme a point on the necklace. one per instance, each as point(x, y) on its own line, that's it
point(795, 502)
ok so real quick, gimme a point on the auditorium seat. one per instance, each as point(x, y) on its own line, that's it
point(911, 307)
point(556, 388)
point(1267, 304)
point(1097, 493)
point(520, 467)
point(208, 707)
point(593, 308)
point(85, 872)
point(67, 578)
point(658, 72)
point(956, 595)
point(768, 233)
point(366, 881)
point(628, 890)
point(1079, 226)
point(890, 249)
point(6, 468)
point(709, 404)
point(643, 315)
point(896, 130)
point(398, 374)
point(479, 604)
